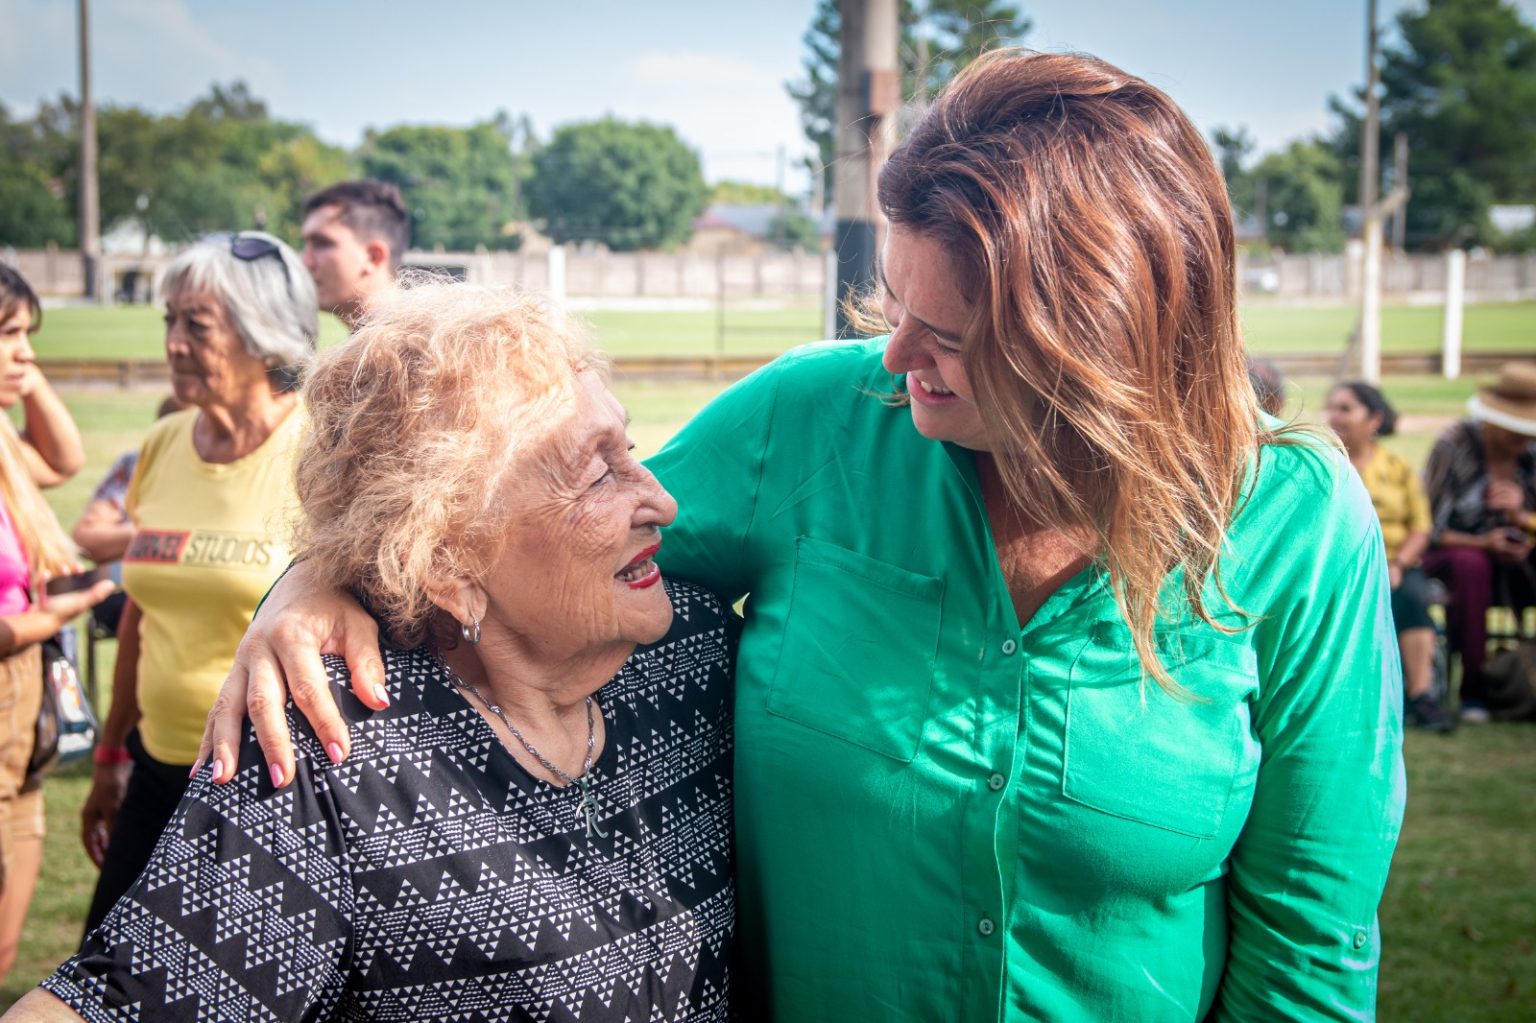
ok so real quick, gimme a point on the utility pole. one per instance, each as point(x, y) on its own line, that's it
point(1400, 181)
point(1372, 212)
point(868, 99)
point(90, 213)
point(1370, 216)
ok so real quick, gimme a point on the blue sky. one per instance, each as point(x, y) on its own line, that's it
point(713, 70)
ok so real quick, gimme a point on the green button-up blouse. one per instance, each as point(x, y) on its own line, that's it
point(944, 816)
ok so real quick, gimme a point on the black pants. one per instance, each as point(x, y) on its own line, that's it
point(154, 790)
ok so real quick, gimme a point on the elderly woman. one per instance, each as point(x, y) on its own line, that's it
point(1481, 482)
point(1360, 414)
point(538, 824)
point(1065, 689)
point(207, 500)
point(32, 548)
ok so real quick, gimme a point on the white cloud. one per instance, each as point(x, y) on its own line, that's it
point(157, 49)
point(37, 52)
point(148, 52)
point(735, 112)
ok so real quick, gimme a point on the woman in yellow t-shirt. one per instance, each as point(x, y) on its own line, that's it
point(210, 499)
point(1360, 414)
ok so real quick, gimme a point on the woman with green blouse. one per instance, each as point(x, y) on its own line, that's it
point(1066, 688)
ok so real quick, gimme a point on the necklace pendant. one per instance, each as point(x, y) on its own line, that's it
point(589, 809)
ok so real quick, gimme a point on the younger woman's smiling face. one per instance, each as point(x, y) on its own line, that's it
point(926, 308)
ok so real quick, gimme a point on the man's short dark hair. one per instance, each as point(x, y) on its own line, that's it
point(374, 210)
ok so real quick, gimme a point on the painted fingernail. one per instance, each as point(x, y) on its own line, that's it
point(277, 775)
point(195, 765)
point(381, 695)
point(218, 769)
point(333, 750)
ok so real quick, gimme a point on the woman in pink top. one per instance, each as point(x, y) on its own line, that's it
point(32, 546)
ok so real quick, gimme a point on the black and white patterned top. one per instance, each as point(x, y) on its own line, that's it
point(431, 877)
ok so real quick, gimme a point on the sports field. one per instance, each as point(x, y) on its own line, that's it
point(135, 332)
point(1460, 914)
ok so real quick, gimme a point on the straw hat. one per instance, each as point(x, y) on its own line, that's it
point(1510, 402)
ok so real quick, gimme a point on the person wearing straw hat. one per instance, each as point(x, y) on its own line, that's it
point(1481, 483)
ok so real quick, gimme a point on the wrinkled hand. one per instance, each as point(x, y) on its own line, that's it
point(279, 658)
point(108, 786)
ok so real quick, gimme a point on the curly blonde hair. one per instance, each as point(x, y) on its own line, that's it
point(417, 424)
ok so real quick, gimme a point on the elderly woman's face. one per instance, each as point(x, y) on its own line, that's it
point(209, 363)
point(578, 570)
point(926, 308)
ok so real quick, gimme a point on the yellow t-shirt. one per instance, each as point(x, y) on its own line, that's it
point(1398, 496)
point(211, 541)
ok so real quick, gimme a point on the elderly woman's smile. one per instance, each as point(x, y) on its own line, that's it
point(642, 573)
point(580, 561)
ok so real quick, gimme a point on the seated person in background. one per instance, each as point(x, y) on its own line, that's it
point(1481, 481)
point(538, 825)
point(105, 528)
point(1359, 414)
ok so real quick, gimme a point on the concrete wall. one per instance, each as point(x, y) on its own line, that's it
point(606, 276)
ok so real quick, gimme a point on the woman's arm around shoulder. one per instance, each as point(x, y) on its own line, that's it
point(301, 619)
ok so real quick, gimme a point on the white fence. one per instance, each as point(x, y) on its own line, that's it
point(1336, 278)
point(780, 276)
point(798, 276)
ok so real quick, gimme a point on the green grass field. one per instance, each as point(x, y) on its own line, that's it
point(1459, 917)
point(135, 332)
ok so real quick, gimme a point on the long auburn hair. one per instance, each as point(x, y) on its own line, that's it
point(1083, 212)
point(49, 551)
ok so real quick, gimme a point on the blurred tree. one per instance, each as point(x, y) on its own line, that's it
point(1233, 147)
point(942, 36)
point(1460, 81)
point(223, 164)
point(1304, 197)
point(793, 229)
point(31, 215)
point(938, 39)
point(32, 211)
point(463, 185)
point(627, 185)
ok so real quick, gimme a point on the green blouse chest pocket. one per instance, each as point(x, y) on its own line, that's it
point(859, 643)
point(1136, 751)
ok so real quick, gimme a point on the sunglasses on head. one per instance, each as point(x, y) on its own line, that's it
point(250, 247)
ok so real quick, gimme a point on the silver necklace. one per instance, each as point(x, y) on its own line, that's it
point(587, 804)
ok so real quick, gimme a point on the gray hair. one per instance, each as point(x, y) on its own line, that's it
point(270, 300)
